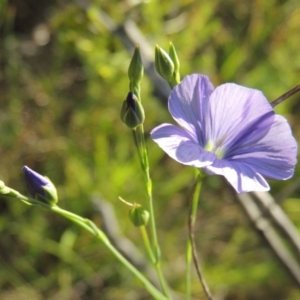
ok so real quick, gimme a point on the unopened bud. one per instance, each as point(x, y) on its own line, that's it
point(39, 187)
point(138, 215)
point(163, 63)
point(132, 112)
point(136, 69)
point(175, 60)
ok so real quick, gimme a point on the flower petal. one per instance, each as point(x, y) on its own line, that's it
point(235, 114)
point(240, 175)
point(188, 104)
point(274, 156)
point(179, 145)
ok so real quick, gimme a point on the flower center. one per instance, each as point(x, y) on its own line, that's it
point(216, 147)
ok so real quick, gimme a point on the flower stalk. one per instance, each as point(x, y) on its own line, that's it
point(89, 226)
point(155, 255)
point(191, 251)
point(135, 74)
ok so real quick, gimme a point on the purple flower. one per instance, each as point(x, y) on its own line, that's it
point(231, 131)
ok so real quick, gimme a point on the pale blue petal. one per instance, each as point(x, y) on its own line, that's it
point(240, 175)
point(179, 145)
point(237, 116)
point(188, 104)
point(275, 155)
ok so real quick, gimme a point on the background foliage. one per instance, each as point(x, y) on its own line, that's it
point(63, 78)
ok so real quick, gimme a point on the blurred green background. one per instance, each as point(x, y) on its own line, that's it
point(63, 78)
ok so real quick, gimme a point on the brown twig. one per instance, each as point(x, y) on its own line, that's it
point(285, 95)
point(194, 253)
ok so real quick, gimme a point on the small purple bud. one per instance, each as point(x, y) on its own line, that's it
point(132, 112)
point(40, 187)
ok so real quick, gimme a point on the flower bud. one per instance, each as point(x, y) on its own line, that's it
point(163, 64)
point(175, 60)
point(136, 69)
point(138, 215)
point(40, 187)
point(132, 112)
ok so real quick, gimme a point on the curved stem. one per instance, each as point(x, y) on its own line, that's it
point(89, 226)
point(97, 233)
point(191, 248)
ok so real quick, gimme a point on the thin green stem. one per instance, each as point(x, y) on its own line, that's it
point(196, 197)
point(29, 201)
point(139, 140)
point(89, 226)
point(147, 243)
point(188, 277)
point(148, 181)
point(153, 250)
point(192, 218)
point(138, 147)
point(191, 248)
point(93, 229)
point(174, 80)
point(98, 234)
point(154, 261)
